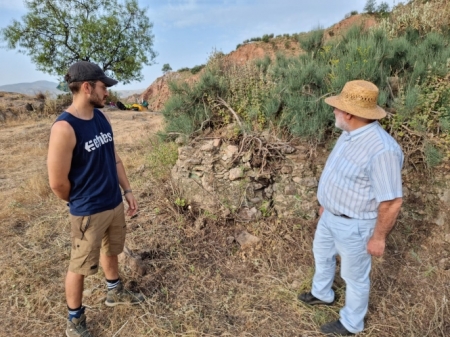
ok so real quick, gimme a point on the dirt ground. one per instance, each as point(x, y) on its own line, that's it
point(197, 280)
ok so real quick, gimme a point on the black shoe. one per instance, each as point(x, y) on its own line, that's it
point(335, 329)
point(310, 299)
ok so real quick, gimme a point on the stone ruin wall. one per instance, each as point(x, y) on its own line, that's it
point(217, 177)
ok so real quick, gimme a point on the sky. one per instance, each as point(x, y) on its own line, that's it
point(188, 31)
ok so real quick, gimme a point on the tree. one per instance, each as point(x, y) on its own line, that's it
point(383, 8)
point(370, 6)
point(56, 33)
point(166, 67)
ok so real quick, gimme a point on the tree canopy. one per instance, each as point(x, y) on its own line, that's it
point(370, 6)
point(166, 68)
point(57, 33)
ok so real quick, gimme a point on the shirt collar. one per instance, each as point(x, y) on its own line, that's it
point(355, 134)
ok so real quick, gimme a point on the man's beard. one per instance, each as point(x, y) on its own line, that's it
point(96, 102)
point(341, 124)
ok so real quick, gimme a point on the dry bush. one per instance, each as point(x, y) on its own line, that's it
point(35, 188)
point(422, 16)
point(41, 96)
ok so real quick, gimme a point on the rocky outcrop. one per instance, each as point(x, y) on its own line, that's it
point(158, 92)
point(226, 179)
point(218, 175)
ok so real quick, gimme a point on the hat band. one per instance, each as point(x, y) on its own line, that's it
point(364, 101)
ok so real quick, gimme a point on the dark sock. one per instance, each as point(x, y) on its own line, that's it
point(112, 284)
point(75, 313)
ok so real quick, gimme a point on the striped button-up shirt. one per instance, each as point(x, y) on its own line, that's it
point(363, 170)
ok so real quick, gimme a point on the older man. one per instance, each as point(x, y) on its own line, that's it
point(85, 170)
point(360, 195)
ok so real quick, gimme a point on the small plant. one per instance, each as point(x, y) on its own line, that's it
point(433, 156)
point(265, 209)
point(183, 69)
point(161, 158)
point(207, 214)
point(180, 202)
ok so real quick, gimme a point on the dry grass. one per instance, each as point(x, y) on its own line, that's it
point(198, 283)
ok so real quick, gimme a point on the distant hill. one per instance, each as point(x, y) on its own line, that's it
point(50, 87)
point(126, 93)
point(32, 88)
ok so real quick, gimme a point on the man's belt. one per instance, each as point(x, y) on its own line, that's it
point(343, 216)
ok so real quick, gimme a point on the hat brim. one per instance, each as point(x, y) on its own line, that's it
point(370, 113)
point(109, 82)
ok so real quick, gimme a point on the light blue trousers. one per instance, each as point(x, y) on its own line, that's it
point(348, 238)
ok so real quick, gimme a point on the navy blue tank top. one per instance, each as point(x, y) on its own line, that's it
point(93, 172)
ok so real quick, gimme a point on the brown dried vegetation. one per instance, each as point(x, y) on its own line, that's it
point(196, 278)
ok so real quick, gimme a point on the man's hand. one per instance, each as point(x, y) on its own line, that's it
point(132, 204)
point(321, 210)
point(387, 214)
point(375, 247)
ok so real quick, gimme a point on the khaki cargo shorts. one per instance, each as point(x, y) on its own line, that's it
point(104, 231)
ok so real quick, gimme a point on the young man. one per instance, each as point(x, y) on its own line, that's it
point(85, 170)
point(360, 194)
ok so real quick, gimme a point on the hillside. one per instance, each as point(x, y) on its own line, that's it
point(158, 92)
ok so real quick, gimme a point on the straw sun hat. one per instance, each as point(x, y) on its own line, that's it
point(358, 98)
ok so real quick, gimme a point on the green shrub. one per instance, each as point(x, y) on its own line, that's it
point(312, 41)
point(197, 69)
point(287, 92)
point(433, 157)
point(161, 158)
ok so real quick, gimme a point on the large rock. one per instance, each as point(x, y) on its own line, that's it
point(246, 239)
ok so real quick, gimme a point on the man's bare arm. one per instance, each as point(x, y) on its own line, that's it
point(60, 149)
point(387, 214)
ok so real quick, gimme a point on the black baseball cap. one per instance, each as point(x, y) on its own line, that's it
point(83, 71)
